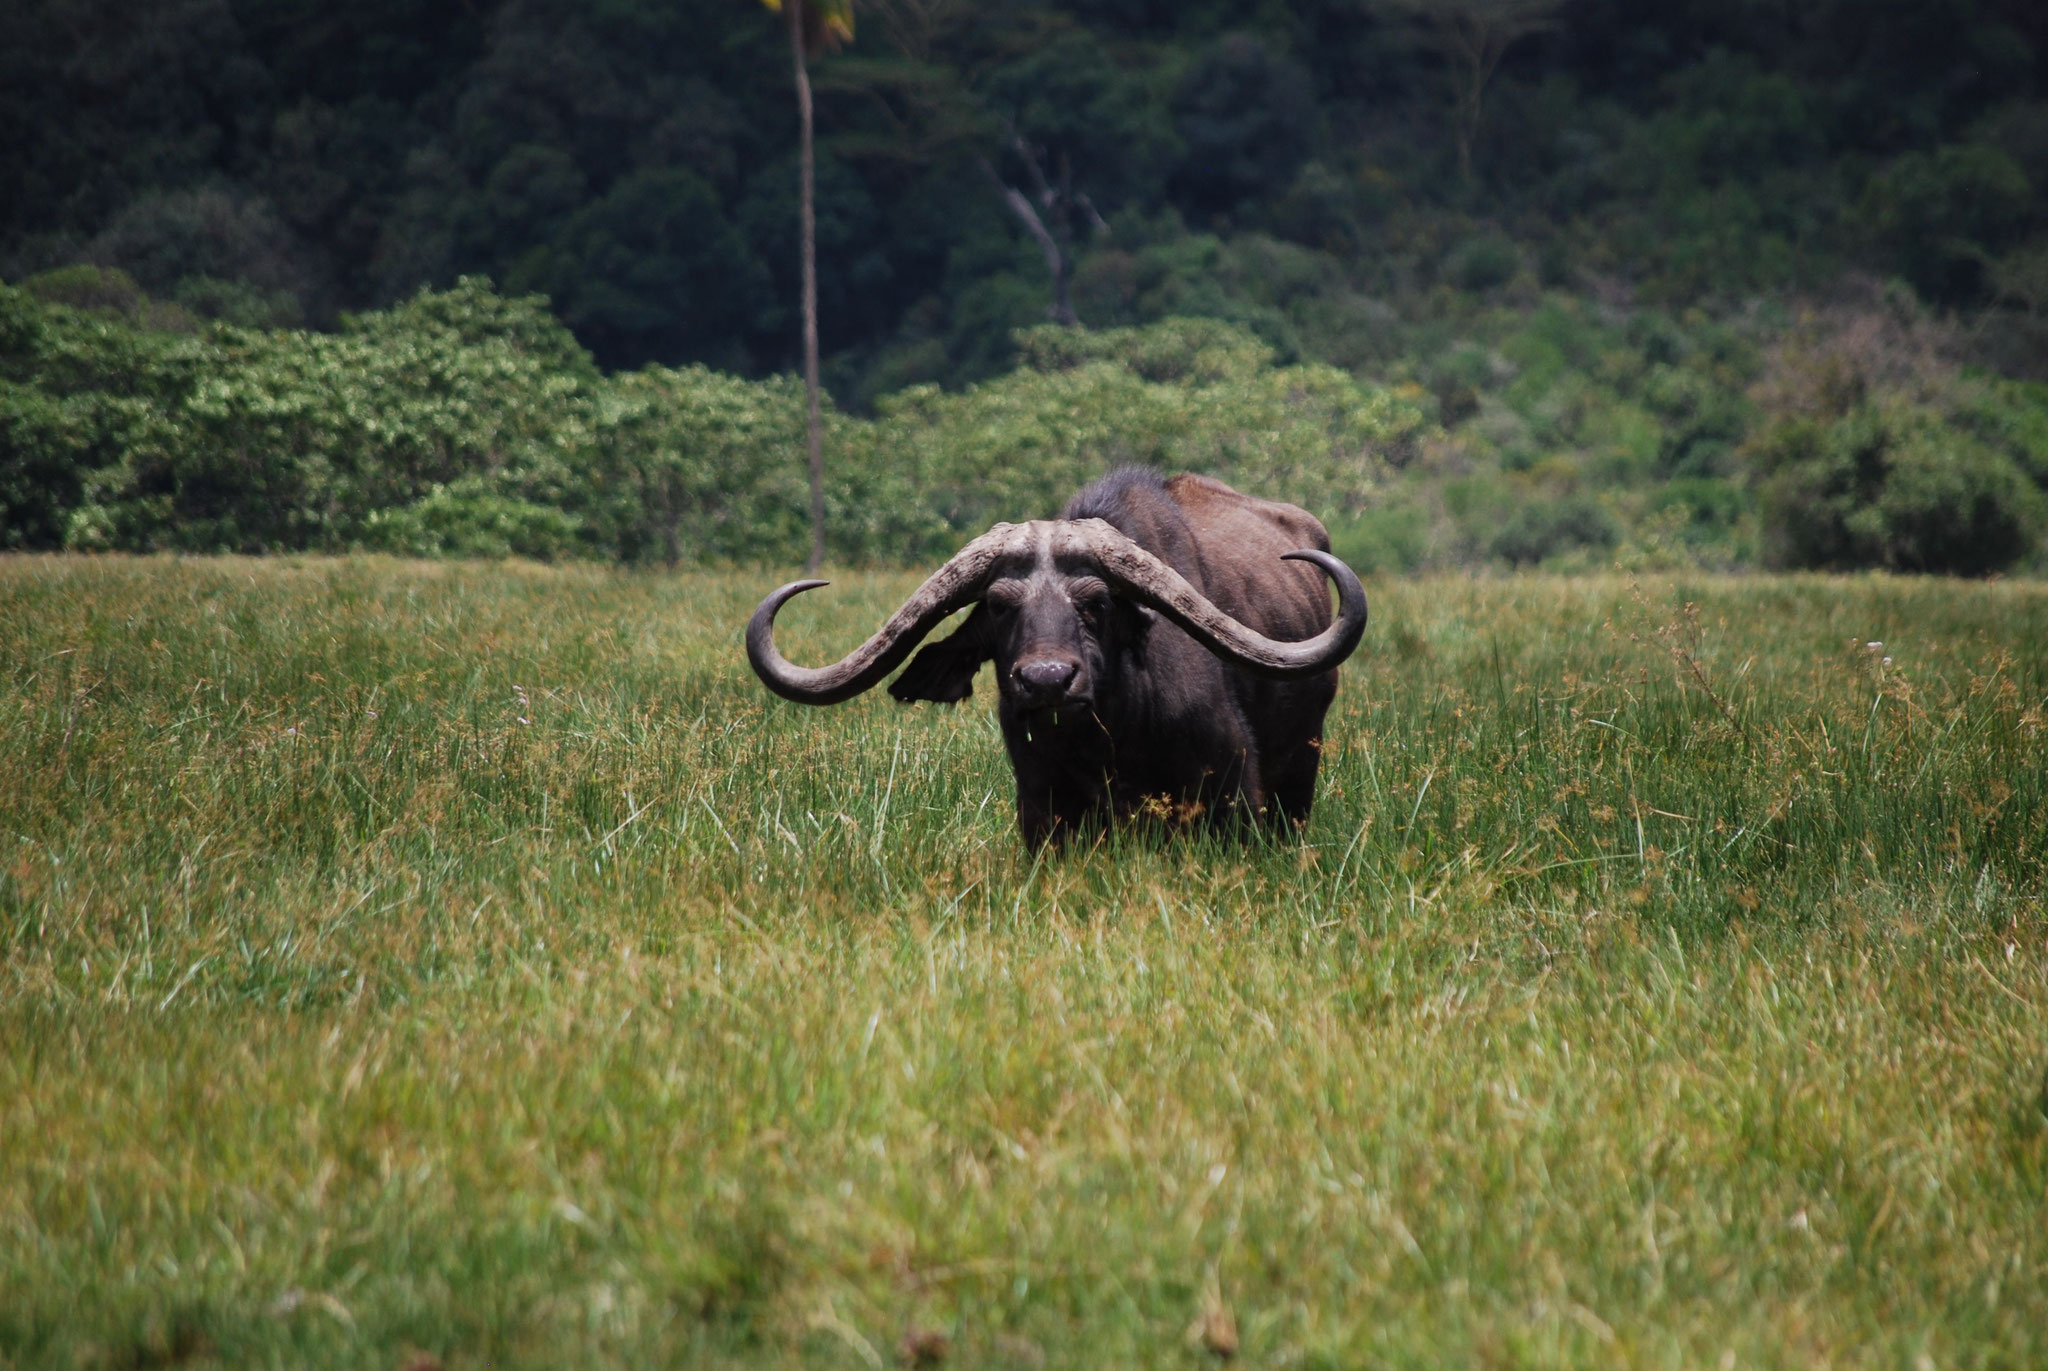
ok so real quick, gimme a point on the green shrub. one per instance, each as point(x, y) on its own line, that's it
point(238, 302)
point(2010, 416)
point(470, 519)
point(1187, 394)
point(80, 393)
point(1393, 537)
point(687, 455)
point(98, 290)
point(1702, 422)
point(1482, 262)
point(698, 466)
point(1541, 529)
point(1893, 487)
point(1191, 350)
point(39, 477)
point(282, 440)
point(1710, 503)
point(467, 423)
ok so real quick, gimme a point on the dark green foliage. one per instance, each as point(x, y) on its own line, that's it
point(1892, 487)
point(237, 302)
point(1390, 538)
point(266, 163)
point(39, 478)
point(471, 518)
point(1703, 502)
point(1941, 213)
point(1100, 112)
point(651, 270)
point(1246, 117)
point(464, 404)
point(1874, 450)
point(699, 465)
point(472, 315)
point(167, 238)
point(1543, 529)
point(99, 290)
point(1702, 421)
point(855, 273)
point(79, 393)
point(1482, 262)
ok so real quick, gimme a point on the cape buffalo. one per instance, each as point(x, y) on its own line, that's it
point(1155, 653)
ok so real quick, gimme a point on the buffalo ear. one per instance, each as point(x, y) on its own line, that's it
point(1137, 624)
point(943, 672)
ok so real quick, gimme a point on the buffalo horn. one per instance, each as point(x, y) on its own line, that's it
point(957, 584)
point(1143, 577)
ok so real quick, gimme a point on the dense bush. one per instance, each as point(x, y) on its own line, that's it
point(464, 423)
point(80, 394)
point(467, 404)
point(1543, 529)
point(1942, 214)
point(1482, 262)
point(1181, 395)
point(467, 423)
point(472, 519)
point(1876, 450)
point(1892, 486)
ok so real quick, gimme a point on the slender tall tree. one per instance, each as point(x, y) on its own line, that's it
point(814, 26)
point(1472, 36)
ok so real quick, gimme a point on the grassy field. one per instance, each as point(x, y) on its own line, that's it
point(409, 965)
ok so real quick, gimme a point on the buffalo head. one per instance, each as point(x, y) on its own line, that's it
point(1052, 599)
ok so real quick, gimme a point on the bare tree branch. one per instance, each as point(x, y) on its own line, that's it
point(1057, 262)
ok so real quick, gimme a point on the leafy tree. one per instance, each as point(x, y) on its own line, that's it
point(653, 271)
point(1472, 36)
point(1943, 213)
point(1246, 116)
point(1892, 486)
point(856, 264)
point(1545, 528)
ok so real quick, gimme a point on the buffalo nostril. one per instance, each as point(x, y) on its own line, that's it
point(1045, 677)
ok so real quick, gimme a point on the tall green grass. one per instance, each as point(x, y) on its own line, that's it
point(407, 964)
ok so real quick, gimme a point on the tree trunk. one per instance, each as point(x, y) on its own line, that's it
point(1465, 37)
point(814, 421)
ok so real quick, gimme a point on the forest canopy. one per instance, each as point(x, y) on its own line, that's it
point(278, 161)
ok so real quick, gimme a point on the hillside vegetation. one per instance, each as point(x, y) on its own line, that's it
point(469, 423)
point(1337, 175)
point(408, 964)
